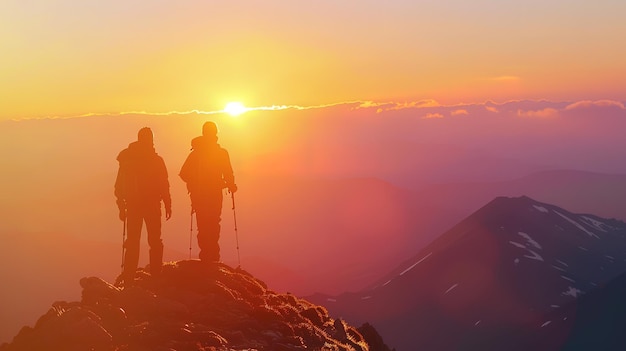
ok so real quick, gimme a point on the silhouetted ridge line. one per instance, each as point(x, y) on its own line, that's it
point(190, 306)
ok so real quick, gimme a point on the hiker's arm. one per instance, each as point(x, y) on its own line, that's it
point(165, 191)
point(227, 172)
point(119, 192)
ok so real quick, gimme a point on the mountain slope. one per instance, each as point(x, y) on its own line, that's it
point(191, 306)
point(497, 272)
point(595, 321)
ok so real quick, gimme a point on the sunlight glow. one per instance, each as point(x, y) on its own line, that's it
point(235, 108)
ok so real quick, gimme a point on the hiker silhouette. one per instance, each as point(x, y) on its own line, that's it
point(207, 171)
point(141, 185)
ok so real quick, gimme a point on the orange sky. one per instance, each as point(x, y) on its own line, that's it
point(75, 57)
point(72, 57)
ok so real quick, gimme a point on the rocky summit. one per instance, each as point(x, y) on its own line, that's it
point(190, 306)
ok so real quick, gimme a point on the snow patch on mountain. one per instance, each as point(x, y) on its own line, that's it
point(415, 264)
point(541, 209)
point(571, 291)
point(521, 246)
point(534, 256)
point(529, 240)
point(451, 288)
point(561, 262)
point(578, 225)
point(568, 279)
point(596, 224)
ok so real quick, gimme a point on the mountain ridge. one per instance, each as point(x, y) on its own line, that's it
point(190, 306)
point(499, 271)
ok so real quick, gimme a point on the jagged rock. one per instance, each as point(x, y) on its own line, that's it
point(95, 288)
point(373, 339)
point(64, 326)
point(190, 306)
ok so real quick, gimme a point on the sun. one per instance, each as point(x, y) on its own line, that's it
point(235, 108)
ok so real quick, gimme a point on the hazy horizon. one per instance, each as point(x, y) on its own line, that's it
point(318, 178)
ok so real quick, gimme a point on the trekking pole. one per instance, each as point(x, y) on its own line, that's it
point(190, 232)
point(232, 195)
point(123, 240)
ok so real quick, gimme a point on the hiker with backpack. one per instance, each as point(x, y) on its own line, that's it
point(141, 184)
point(207, 171)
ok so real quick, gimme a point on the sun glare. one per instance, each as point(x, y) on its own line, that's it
point(235, 108)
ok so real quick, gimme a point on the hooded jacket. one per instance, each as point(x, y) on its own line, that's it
point(142, 177)
point(207, 168)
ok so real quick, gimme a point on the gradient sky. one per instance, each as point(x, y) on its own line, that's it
point(70, 57)
point(424, 68)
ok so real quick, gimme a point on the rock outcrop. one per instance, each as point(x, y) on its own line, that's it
point(190, 306)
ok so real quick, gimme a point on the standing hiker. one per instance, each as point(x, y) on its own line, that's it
point(207, 171)
point(140, 187)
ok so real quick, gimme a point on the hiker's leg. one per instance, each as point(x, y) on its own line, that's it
point(134, 222)
point(153, 226)
point(208, 217)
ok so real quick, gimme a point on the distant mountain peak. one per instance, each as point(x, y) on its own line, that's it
point(191, 306)
point(514, 201)
point(502, 268)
